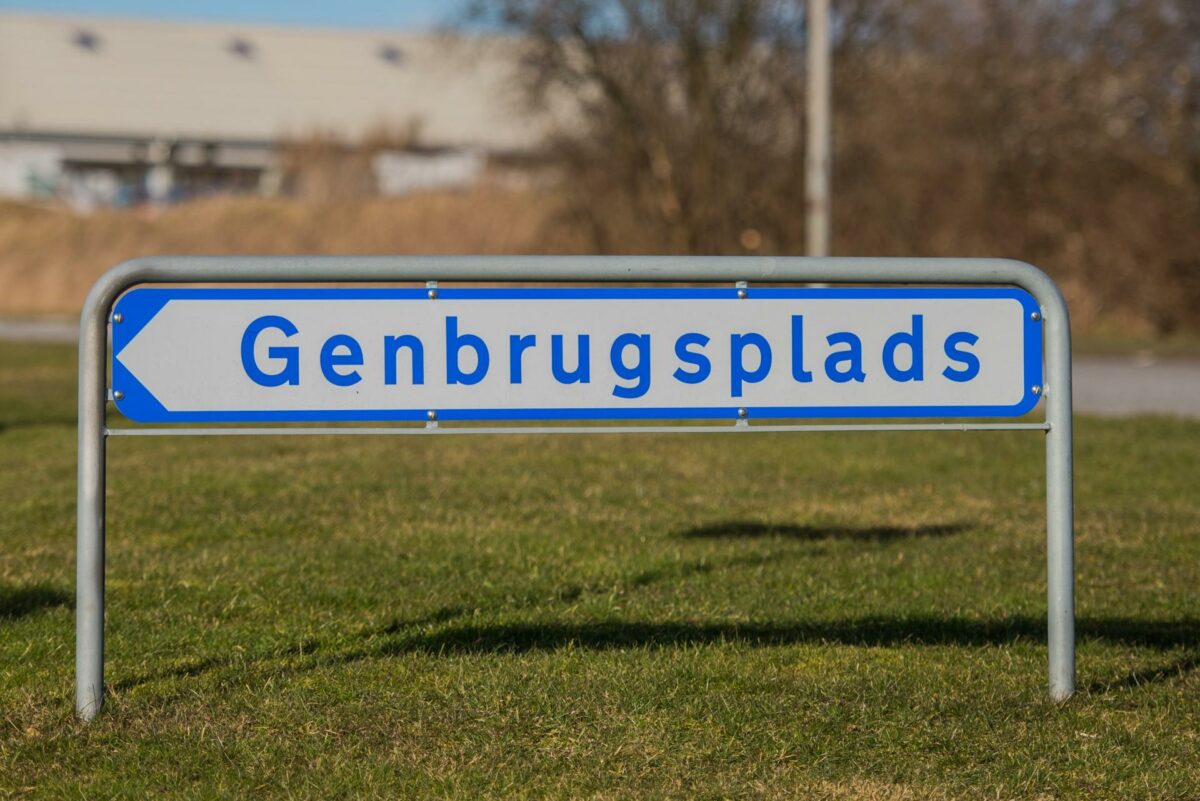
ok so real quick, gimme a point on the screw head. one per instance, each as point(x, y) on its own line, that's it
point(118, 394)
point(432, 294)
point(431, 414)
point(118, 317)
point(1035, 389)
point(1035, 316)
point(741, 293)
point(742, 413)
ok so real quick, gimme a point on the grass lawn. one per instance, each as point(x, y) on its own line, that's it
point(793, 616)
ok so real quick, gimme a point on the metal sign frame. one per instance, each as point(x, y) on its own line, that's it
point(94, 392)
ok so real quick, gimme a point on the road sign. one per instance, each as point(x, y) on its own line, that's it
point(969, 342)
point(372, 354)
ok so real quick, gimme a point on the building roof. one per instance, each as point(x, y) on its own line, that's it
point(105, 77)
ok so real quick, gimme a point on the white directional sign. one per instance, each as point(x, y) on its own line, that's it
point(242, 355)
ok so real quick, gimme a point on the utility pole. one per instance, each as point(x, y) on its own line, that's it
point(817, 155)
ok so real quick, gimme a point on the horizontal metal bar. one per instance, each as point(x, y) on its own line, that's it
point(443, 429)
point(354, 269)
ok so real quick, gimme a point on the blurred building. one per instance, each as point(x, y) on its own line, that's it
point(98, 110)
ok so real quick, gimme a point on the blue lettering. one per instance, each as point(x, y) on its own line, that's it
point(915, 342)
point(290, 372)
point(582, 374)
point(454, 344)
point(957, 354)
point(331, 360)
point(798, 371)
point(738, 372)
point(517, 345)
point(391, 350)
point(852, 355)
point(698, 360)
point(639, 372)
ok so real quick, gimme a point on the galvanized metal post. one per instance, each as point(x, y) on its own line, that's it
point(817, 165)
point(89, 522)
point(93, 385)
point(1060, 500)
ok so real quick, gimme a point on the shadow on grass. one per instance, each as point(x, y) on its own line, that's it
point(17, 602)
point(1176, 669)
point(747, 529)
point(444, 632)
point(403, 638)
point(869, 631)
point(307, 647)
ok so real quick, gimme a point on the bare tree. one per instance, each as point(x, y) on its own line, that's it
point(1064, 132)
point(688, 136)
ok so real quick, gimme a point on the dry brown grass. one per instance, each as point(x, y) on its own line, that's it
point(49, 258)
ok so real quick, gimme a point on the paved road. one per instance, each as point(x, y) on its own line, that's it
point(1103, 384)
point(1122, 385)
point(21, 329)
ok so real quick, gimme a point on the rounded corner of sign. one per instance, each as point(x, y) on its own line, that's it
point(1027, 404)
point(133, 311)
point(132, 297)
point(1029, 304)
point(133, 401)
point(123, 409)
point(137, 412)
point(129, 410)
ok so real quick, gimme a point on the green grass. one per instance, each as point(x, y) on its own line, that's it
point(817, 616)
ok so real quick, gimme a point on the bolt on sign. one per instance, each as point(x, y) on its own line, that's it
point(899, 344)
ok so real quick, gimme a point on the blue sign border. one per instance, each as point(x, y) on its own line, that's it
point(138, 306)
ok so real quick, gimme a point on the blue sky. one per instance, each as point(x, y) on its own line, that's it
point(354, 13)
